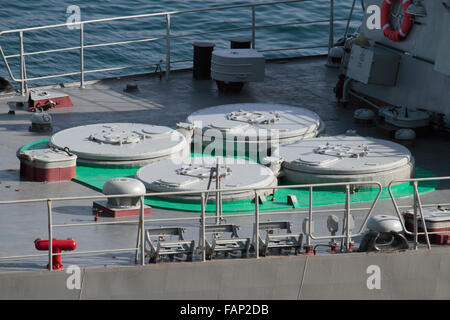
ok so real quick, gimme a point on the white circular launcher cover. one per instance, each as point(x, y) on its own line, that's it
point(194, 174)
point(120, 141)
point(254, 121)
point(346, 156)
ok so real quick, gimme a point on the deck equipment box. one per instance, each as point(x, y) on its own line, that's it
point(237, 65)
point(46, 100)
point(47, 165)
point(436, 220)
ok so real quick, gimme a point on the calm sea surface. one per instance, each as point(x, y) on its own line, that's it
point(31, 13)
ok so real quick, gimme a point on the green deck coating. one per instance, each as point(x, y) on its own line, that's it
point(94, 176)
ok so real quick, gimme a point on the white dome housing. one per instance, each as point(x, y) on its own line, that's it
point(41, 122)
point(364, 115)
point(119, 186)
point(384, 223)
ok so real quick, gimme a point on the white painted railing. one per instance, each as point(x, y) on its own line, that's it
point(140, 246)
point(23, 79)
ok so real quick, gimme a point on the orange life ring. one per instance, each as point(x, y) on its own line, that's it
point(396, 35)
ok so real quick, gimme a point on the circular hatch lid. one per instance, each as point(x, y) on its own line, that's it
point(254, 120)
point(120, 141)
point(344, 155)
point(194, 174)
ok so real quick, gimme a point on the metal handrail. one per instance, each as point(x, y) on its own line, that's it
point(417, 206)
point(348, 235)
point(22, 55)
point(151, 15)
point(162, 38)
point(141, 221)
point(198, 191)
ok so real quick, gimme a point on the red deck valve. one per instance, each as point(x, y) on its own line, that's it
point(58, 246)
point(308, 250)
point(333, 246)
point(350, 246)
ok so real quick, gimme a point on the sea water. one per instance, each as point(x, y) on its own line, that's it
point(32, 13)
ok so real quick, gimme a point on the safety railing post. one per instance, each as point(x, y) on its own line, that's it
point(167, 46)
point(22, 69)
point(415, 222)
point(331, 35)
point(349, 19)
point(203, 227)
point(50, 235)
point(220, 203)
point(217, 193)
point(347, 216)
point(81, 55)
point(142, 227)
point(253, 26)
point(308, 236)
point(256, 225)
point(138, 241)
point(422, 218)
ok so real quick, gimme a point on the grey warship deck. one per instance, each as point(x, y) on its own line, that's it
point(301, 82)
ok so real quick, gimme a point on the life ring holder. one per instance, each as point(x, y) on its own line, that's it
point(396, 35)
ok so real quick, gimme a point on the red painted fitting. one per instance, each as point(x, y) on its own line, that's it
point(308, 250)
point(315, 252)
point(333, 248)
point(96, 217)
point(350, 246)
point(58, 245)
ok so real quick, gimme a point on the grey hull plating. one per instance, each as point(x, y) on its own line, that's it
point(406, 275)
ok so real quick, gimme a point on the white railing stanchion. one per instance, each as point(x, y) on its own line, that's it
point(349, 19)
point(138, 240)
point(142, 227)
point(331, 35)
point(81, 55)
point(415, 222)
point(347, 216)
point(308, 236)
point(203, 227)
point(422, 218)
point(217, 193)
point(167, 46)
point(256, 225)
point(253, 26)
point(22, 70)
point(50, 235)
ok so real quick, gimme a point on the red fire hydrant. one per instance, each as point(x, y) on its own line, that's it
point(58, 245)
